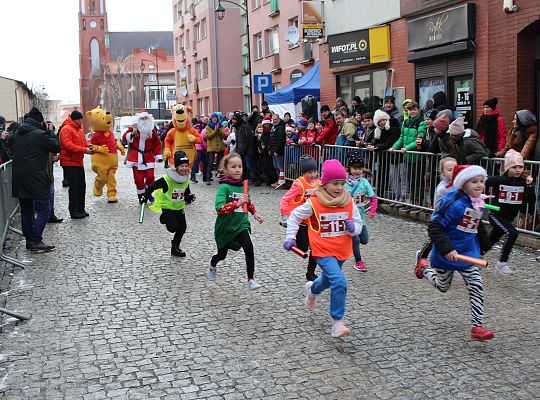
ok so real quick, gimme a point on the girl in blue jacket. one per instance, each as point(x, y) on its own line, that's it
point(456, 229)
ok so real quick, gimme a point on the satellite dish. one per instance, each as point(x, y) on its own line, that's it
point(183, 91)
point(293, 35)
point(182, 73)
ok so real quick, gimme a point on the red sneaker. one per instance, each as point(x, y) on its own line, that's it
point(419, 269)
point(481, 333)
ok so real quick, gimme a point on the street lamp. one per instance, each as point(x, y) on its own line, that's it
point(220, 14)
point(142, 66)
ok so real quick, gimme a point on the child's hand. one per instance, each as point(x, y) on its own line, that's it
point(452, 256)
point(350, 225)
point(288, 243)
point(244, 199)
point(529, 180)
point(259, 218)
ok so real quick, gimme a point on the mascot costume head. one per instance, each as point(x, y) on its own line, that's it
point(183, 136)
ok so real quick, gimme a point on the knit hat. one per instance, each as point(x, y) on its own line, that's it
point(441, 123)
point(36, 115)
point(431, 114)
point(380, 115)
point(491, 103)
point(463, 173)
point(448, 113)
point(332, 170)
point(355, 159)
point(302, 121)
point(214, 115)
point(307, 164)
point(76, 114)
point(512, 158)
point(180, 157)
point(457, 127)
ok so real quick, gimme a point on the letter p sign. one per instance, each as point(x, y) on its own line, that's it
point(262, 83)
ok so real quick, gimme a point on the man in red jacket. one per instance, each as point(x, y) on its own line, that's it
point(73, 147)
point(329, 133)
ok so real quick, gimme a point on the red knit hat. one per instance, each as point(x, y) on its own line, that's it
point(442, 123)
point(332, 170)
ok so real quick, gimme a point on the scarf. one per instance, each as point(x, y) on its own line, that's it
point(231, 181)
point(329, 201)
point(212, 124)
point(175, 176)
point(479, 202)
point(351, 180)
point(487, 124)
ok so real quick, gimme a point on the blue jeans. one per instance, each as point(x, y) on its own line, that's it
point(34, 224)
point(51, 197)
point(332, 277)
point(278, 163)
point(357, 240)
point(200, 157)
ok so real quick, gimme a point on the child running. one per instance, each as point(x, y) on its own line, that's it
point(359, 187)
point(446, 169)
point(456, 229)
point(232, 227)
point(513, 194)
point(333, 221)
point(172, 195)
point(300, 191)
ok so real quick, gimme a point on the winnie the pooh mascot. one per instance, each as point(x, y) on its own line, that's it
point(104, 164)
point(182, 136)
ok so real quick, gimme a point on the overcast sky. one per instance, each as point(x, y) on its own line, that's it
point(40, 42)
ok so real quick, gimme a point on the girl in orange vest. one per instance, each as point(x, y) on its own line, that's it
point(301, 189)
point(333, 220)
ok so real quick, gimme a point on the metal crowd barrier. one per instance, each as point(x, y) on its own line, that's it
point(8, 208)
point(409, 179)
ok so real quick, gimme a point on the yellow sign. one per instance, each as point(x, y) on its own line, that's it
point(312, 31)
point(379, 44)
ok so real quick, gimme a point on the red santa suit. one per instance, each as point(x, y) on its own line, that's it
point(144, 149)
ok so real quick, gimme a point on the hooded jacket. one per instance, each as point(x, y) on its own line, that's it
point(467, 150)
point(31, 148)
point(277, 139)
point(74, 144)
point(522, 140)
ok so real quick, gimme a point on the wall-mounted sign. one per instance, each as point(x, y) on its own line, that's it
point(368, 46)
point(296, 74)
point(449, 26)
point(312, 20)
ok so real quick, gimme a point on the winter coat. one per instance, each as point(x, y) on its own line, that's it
point(387, 139)
point(512, 195)
point(254, 119)
point(492, 131)
point(467, 150)
point(277, 139)
point(73, 144)
point(31, 148)
point(244, 140)
point(456, 225)
point(522, 140)
point(329, 133)
point(214, 139)
point(410, 130)
point(348, 129)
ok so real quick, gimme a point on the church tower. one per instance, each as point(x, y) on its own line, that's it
point(93, 51)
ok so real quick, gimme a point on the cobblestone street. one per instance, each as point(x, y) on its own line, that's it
point(115, 316)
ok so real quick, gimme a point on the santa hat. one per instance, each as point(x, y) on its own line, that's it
point(512, 158)
point(290, 129)
point(463, 173)
point(332, 170)
point(267, 120)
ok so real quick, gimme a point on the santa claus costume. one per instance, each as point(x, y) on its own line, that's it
point(144, 149)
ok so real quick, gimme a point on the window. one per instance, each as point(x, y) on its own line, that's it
point(176, 45)
point(154, 94)
point(245, 64)
point(199, 69)
point(243, 24)
point(274, 6)
point(276, 86)
point(273, 40)
point(187, 39)
point(181, 42)
point(256, 4)
point(205, 67)
point(258, 46)
point(189, 73)
point(293, 22)
point(152, 77)
point(200, 106)
point(203, 29)
point(207, 104)
point(197, 32)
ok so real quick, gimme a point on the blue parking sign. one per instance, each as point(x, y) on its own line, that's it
point(262, 83)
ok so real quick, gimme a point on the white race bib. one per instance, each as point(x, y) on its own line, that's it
point(177, 195)
point(236, 196)
point(333, 224)
point(470, 221)
point(511, 194)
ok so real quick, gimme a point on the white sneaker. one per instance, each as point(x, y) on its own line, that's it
point(418, 252)
point(310, 297)
point(503, 268)
point(339, 330)
point(212, 271)
point(253, 284)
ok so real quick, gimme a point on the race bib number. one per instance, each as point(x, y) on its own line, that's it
point(511, 194)
point(333, 224)
point(471, 219)
point(235, 197)
point(358, 199)
point(177, 195)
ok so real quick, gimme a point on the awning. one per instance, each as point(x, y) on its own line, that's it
point(309, 84)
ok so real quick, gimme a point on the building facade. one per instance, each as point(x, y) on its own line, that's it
point(207, 56)
point(16, 99)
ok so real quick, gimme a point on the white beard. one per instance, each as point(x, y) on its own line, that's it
point(145, 128)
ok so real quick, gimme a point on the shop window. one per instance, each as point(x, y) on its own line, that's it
point(427, 87)
point(370, 86)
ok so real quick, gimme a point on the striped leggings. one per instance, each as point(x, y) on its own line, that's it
point(442, 279)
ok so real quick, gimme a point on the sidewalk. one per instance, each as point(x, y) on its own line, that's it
point(115, 316)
